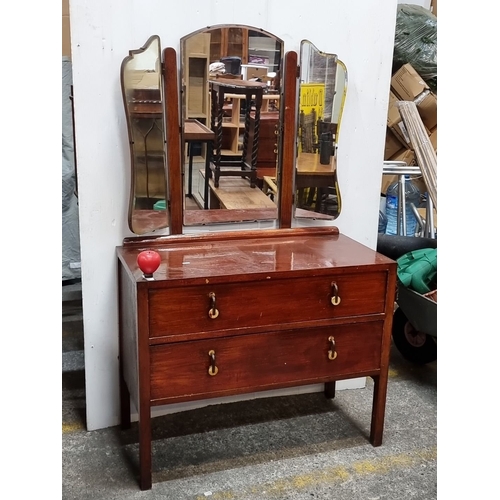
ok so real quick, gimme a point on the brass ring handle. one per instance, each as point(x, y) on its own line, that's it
point(213, 312)
point(212, 369)
point(335, 299)
point(332, 353)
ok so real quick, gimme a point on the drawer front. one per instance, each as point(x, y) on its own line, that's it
point(262, 361)
point(260, 304)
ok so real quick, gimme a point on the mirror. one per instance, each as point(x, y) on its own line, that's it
point(143, 100)
point(231, 92)
point(322, 92)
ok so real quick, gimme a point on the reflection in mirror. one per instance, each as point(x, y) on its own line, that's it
point(230, 109)
point(142, 95)
point(322, 91)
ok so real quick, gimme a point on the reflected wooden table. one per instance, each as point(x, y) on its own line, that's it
point(195, 131)
point(310, 173)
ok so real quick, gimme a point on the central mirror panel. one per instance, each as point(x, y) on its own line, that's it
point(322, 91)
point(231, 116)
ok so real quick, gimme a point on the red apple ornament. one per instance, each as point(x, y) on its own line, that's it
point(148, 262)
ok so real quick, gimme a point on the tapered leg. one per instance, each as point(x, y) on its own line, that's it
point(124, 404)
point(208, 172)
point(378, 411)
point(124, 393)
point(190, 170)
point(145, 447)
point(330, 389)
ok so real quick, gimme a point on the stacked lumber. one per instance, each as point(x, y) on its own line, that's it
point(421, 144)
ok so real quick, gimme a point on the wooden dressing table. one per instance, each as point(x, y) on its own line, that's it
point(234, 312)
point(238, 313)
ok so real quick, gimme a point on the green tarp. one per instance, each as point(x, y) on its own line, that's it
point(418, 270)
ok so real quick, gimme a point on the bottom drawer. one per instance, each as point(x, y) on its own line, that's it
point(263, 361)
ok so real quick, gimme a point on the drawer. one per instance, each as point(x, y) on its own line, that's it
point(263, 361)
point(257, 304)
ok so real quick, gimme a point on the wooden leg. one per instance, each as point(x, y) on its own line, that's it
point(330, 389)
point(124, 393)
point(190, 170)
point(124, 404)
point(378, 410)
point(208, 173)
point(145, 447)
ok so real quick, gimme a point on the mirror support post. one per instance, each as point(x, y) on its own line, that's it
point(173, 137)
point(288, 140)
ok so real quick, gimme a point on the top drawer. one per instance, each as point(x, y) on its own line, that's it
point(183, 310)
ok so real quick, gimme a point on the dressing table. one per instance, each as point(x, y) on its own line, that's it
point(234, 312)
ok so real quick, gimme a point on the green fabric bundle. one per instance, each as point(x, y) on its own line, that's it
point(418, 270)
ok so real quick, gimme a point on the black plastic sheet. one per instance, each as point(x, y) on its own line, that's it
point(415, 42)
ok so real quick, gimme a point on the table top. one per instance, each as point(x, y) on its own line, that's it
point(196, 131)
point(308, 163)
point(253, 255)
point(237, 84)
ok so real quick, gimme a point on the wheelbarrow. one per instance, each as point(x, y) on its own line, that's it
point(414, 328)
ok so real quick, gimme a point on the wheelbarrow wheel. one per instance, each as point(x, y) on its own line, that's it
point(415, 346)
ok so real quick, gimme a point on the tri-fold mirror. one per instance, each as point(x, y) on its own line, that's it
point(232, 94)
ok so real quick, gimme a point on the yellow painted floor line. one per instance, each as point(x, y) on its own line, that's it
point(73, 427)
point(331, 475)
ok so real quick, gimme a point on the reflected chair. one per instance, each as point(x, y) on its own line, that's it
point(236, 166)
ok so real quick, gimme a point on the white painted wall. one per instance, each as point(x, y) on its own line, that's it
point(103, 31)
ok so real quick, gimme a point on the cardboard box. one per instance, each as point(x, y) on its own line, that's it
point(393, 115)
point(392, 145)
point(407, 84)
point(66, 37)
point(401, 134)
point(406, 155)
point(427, 109)
point(434, 7)
point(387, 180)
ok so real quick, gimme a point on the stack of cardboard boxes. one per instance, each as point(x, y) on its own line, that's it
point(407, 85)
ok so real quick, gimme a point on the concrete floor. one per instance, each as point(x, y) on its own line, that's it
point(294, 447)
